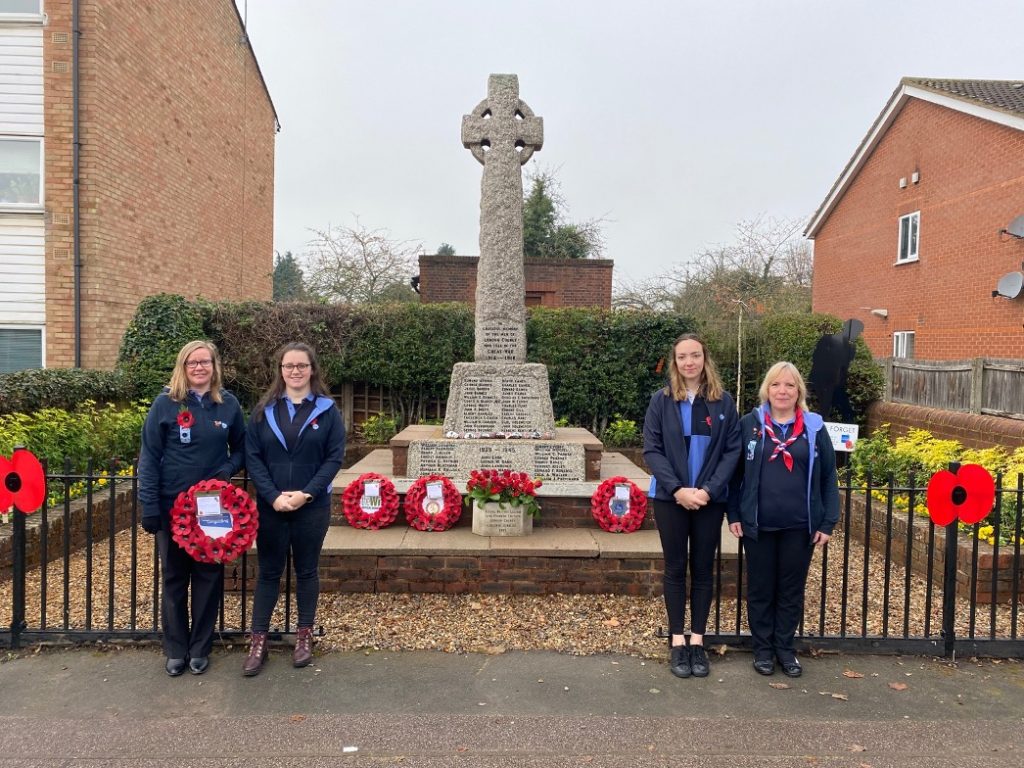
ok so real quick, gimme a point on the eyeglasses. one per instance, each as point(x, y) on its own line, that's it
point(198, 363)
point(300, 367)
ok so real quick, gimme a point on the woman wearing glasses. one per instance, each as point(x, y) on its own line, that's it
point(194, 431)
point(294, 447)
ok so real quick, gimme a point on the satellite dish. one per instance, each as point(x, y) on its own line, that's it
point(1010, 285)
point(1016, 227)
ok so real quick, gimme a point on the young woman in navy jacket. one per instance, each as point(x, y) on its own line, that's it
point(785, 502)
point(691, 445)
point(194, 431)
point(294, 447)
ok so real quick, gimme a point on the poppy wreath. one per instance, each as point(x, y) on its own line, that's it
point(357, 516)
point(968, 494)
point(600, 506)
point(186, 532)
point(22, 482)
point(445, 517)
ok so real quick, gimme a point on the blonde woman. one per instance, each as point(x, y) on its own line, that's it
point(784, 503)
point(194, 431)
point(691, 445)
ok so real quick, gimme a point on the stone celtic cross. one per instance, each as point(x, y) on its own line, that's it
point(502, 133)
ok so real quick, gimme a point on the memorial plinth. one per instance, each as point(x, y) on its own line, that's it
point(573, 455)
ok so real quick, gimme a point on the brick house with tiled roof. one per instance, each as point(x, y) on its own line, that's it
point(911, 238)
point(171, 188)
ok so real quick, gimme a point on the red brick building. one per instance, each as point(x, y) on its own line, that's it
point(911, 238)
point(176, 169)
point(549, 282)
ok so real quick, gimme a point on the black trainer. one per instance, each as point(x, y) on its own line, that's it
point(679, 661)
point(699, 664)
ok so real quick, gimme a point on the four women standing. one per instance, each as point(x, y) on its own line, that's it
point(783, 499)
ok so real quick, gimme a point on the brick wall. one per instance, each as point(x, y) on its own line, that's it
point(971, 186)
point(177, 166)
point(549, 282)
point(972, 430)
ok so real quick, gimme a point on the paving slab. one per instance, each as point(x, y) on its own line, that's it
point(549, 542)
point(460, 541)
point(642, 543)
point(344, 539)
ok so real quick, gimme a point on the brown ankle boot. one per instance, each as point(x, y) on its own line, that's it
point(303, 647)
point(257, 654)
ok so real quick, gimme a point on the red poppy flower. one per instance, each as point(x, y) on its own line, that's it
point(186, 419)
point(707, 420)
point(968, 494)
point(22, 482)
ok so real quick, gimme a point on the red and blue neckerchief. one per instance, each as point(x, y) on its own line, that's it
point(780, 446)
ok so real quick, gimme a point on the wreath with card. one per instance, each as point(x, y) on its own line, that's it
point(433, 503)
point(618, 505)
point(370, 501)
point(214, 522)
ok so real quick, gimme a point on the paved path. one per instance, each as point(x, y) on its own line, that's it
point(93, 708)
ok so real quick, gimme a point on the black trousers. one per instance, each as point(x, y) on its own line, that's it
point(688, 537)
point(303, 533)
point(777, 565)
point(180, 572)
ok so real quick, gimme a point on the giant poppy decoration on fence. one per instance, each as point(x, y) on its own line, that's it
point(967, 494)
point(22, 482)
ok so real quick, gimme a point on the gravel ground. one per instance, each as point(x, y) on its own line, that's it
point(577, 624)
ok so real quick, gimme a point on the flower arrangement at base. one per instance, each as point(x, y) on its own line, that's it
point(186, 531)
point(614, 513)
point(433, 503)
point(370, 501)
point(516, 489)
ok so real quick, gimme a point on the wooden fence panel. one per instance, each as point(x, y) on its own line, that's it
point(932, 385)
point(1003, 389)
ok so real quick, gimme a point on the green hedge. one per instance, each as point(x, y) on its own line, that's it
point(27, 391)
point(602, 365)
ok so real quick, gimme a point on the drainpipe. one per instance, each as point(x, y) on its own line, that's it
point(75, 216)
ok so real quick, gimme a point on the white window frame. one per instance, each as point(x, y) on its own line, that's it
point(12, 16)
point(41, 204)
point(901, 340)
point(914, 226)
point(42, 337)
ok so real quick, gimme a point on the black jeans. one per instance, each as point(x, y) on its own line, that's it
point(206, 580)
point(688, 537)
point(303, 533)
point(777, 565)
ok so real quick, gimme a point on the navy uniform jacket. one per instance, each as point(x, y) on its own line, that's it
point(310, 467)
point(665, 447)
point(168, 466)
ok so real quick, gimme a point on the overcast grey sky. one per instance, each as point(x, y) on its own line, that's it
point(671, 120)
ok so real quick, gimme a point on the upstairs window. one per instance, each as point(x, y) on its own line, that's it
point(903, 344)
point(21, 172)
point(909, 236)
point(21, 7)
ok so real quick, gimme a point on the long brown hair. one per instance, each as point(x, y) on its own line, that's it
point(179, 378)
point(277, 387)
point(710, 388)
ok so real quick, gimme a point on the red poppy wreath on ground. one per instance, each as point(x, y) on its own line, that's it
point(432, 512)
point(968, 494)
point(186, 531)
point(367, 510)
point(22, 482)
point(615, 514)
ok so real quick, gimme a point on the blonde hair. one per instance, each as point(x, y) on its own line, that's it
point(710, 388)
point(179, 378)
point(775, 372)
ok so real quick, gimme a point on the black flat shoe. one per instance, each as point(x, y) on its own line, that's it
point(679, 661)
point(175, 667)
point(764, 666)
point(791, 668)
point(198, 665)
point(699, 664)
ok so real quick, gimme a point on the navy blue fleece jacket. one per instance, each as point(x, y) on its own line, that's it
point(168, 466)
point(309, 467)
